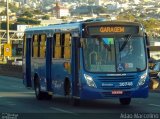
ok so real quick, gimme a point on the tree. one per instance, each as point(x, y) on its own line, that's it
point(126, 16)
point(45, 17)
point(28, 21)
point(142, 15)
point(13, 8)
point(27, 14)
point(100, 10)
point(37, 12)
point(3, 13)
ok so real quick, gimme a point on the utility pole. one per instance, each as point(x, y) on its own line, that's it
point(0, 41)
point(7, 21)
point(7, 46)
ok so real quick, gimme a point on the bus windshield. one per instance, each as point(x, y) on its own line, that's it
point(114, 54)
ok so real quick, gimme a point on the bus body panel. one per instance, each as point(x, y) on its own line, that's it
point(108, 82)
point(89, 94)
point(52, 73)
point(58, 75)
point(105, 87)
point(39, 69)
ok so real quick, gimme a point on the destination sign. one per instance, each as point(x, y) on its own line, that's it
point(111, 29)
point(105, 30)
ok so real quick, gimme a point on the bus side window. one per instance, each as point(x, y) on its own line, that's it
point(42, 45)
point(62, 45)
point(57, 46)
point(67, 46)
point(35, 46)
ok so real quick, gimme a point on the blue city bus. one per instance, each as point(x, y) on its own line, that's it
point(87, 60)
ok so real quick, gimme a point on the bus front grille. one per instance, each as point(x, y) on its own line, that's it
point(115, 78)
point(111, 82)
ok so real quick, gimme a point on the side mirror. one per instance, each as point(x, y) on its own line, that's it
point(148, 44)
point(150, 67)
point(148, 53)
point(153, 84)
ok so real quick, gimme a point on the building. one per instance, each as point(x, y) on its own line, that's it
point(6, 1)
point(99, 2)
point(2, 18)
point(60, 11)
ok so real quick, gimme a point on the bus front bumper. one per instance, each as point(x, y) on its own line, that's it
point(94, 93)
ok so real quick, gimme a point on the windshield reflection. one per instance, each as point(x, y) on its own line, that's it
point(120, 54)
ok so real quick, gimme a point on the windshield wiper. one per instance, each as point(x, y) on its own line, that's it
point(108, 47)
point(138, 69)
point(125, 42)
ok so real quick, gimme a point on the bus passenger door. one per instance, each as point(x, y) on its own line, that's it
point(27, 64)
point(48, 63)
point(75, 67)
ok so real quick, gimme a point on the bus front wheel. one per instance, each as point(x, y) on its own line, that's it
point(68, 93)
point(125, 101)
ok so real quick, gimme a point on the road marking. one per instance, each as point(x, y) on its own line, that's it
point(61, 110)
point(154, 105)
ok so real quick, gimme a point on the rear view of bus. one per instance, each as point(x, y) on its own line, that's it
point(114, 61)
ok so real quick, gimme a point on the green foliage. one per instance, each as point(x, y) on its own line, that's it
point(2, 3)
point(37, 12)
point(142, 15)
point(45, 17)
point(27, 14)
point(27, 21)
point(100, 10)
point(150, 24)
point(63, 17)
point(13, 8)
point(3, 13)
point(126, 16)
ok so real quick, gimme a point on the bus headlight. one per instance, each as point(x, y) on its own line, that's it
point(142, 79)
point(89, 81)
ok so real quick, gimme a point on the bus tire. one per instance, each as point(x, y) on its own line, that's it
point(39, 94)
point(67, 89)
point(125, 101)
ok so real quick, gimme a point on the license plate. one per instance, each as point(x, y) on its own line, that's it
point(117, 92)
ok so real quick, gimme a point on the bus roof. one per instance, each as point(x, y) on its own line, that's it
point(76, 26)
point(54, 28)
point(114, 22)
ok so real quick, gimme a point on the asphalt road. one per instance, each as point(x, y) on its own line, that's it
point(17, 102)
